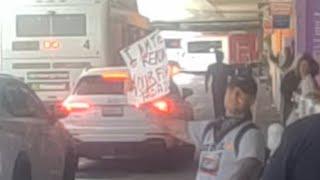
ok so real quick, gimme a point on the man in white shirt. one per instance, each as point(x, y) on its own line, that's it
point(231, 148)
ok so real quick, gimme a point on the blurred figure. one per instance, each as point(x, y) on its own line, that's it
point(299, 80)
point(298, 157)
point(218, 73)
point(285, 59)
point(306, 70)
point(245, 70)
point(289, 84)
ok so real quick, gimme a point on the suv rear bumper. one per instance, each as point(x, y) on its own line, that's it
point(120, 150)
point(132, 150)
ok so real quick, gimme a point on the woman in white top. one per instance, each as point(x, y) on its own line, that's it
point(307, 68)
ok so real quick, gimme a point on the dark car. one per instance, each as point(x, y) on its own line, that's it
point(33, 144)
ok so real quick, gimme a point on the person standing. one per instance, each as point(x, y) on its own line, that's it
point(289, 84)
point(306, 70)
point(218, 73)
point(231, 147)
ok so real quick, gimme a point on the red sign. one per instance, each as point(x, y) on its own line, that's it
point(243, 48)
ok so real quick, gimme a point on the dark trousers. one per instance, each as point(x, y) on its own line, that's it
point(218, 102)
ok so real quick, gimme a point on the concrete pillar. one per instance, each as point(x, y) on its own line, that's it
point(308, 27)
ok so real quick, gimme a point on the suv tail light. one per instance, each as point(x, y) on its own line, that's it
point(116, 76)
point(76, 106)
point(162, 106)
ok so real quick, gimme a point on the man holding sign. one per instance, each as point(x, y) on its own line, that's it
point(231, 147)
point(148, 66)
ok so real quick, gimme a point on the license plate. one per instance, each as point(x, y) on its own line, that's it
point(112, 111)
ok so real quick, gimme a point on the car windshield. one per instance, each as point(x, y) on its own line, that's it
point(96, 85)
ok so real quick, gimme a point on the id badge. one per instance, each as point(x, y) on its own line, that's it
point(209, 165)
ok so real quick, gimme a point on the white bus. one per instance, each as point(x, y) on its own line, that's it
point(48, 43)
point(198, 52)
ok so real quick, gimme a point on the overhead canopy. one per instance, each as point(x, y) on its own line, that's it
point(209, 26)
point(199, 10)
point(201, 14)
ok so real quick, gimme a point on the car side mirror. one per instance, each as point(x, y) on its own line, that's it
point(57, 112)
point(186, 92)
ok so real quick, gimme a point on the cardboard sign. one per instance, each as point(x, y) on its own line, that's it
point(148, 66)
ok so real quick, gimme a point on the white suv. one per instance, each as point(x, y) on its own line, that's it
point(33, 144)
point(107, 127)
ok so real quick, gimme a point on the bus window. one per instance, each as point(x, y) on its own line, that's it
point(33, 25)
point(69, 25)
point(51, 25)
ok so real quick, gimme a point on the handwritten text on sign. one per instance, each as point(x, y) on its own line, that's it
point(148, 66)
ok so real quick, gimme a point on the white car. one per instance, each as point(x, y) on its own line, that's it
point(33, 144)
point(107, 127)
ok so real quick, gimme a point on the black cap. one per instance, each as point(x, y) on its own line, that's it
point(219, 55)
point(246, 83)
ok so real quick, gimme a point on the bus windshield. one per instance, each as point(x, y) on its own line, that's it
point(51, 25)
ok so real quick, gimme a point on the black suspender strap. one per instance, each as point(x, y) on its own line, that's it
point(208, 128)
point(239, 136)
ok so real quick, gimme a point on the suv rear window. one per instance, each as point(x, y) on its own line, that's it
point(96, 85)
point(173, 43)
point(203, 46)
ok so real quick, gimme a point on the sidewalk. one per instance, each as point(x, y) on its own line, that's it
point(266, 113)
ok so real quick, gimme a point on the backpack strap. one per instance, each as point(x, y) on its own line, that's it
point(208, 128)
point(240, 134)
point(217, 125)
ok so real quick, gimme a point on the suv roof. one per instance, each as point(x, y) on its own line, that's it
point(9, 77)
point(6, 76)
point(101, 71)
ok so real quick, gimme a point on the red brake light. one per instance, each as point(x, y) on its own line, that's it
point(76, 106)
point(162, 106)
point(116, 76)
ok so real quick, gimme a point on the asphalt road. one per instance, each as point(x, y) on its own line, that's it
point(131, 170)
